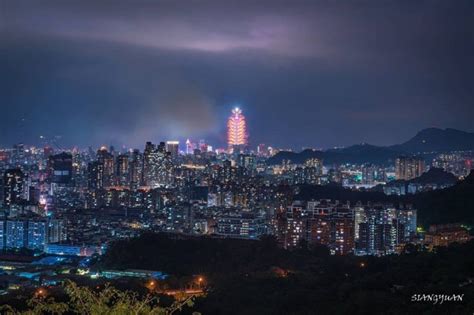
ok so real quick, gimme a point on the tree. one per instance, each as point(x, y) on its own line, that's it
point(109, 300)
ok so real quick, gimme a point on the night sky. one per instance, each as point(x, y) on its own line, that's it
point(319, 74)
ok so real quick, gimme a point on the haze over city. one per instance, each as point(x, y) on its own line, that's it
point(236, 157)
point(125, 72)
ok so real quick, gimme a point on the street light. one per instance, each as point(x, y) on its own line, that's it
point(151, 285)
point(200, 281)
point(40, 293)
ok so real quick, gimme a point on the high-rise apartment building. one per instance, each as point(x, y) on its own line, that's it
point(108, 163)
point(407, 168)
point(123, 170)
point(157, 165)
point(13, 186)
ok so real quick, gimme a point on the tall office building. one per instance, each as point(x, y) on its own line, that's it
point(203, 146)
point(237, 135)
point(60, 168)
point(108, 163)
point(13, 185)
point(136, 169)
point(407, 168)
point(95, 178)
point(189, 147)
point(123, 170)
point(157, 165)
point(150, 164)
point(173, 148)
point(18, 157)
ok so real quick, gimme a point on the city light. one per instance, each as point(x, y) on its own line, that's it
point(236, 157)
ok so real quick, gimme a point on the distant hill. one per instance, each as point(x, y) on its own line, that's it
point(437, 140)
point(426, 141)
point(361, 153)
point(435, 176)
point(450, 205)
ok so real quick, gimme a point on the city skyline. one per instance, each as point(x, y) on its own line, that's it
point(96, 74)
point(236, 157)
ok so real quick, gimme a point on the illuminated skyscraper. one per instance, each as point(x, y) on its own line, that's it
point(189, 147)
point(13, 182)
point(157, 165)
point(95, 172)
point(60, 168)
point(122, 170)
point(236, 130)
point(108, 164)
point(136, 169)
point(173, 148)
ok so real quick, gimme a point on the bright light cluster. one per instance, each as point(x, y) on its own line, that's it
point(236, 128)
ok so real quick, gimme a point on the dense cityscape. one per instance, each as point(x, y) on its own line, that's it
point(75, 202)
point(221, 157)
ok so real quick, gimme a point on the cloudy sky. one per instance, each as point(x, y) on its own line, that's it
point(306, 73)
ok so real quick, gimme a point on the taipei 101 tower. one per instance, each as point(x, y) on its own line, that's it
point(237, 135)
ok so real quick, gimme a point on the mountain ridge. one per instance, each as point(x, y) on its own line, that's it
point(426, 141)
point(437, 139)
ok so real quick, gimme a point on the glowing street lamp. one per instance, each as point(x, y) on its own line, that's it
point(151, 285)
point(40, 293)
point(200, 281)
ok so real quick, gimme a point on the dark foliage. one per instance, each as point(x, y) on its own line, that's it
point(450, 205)
point(435, 176)
point(257, 277)
point(194, 255)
